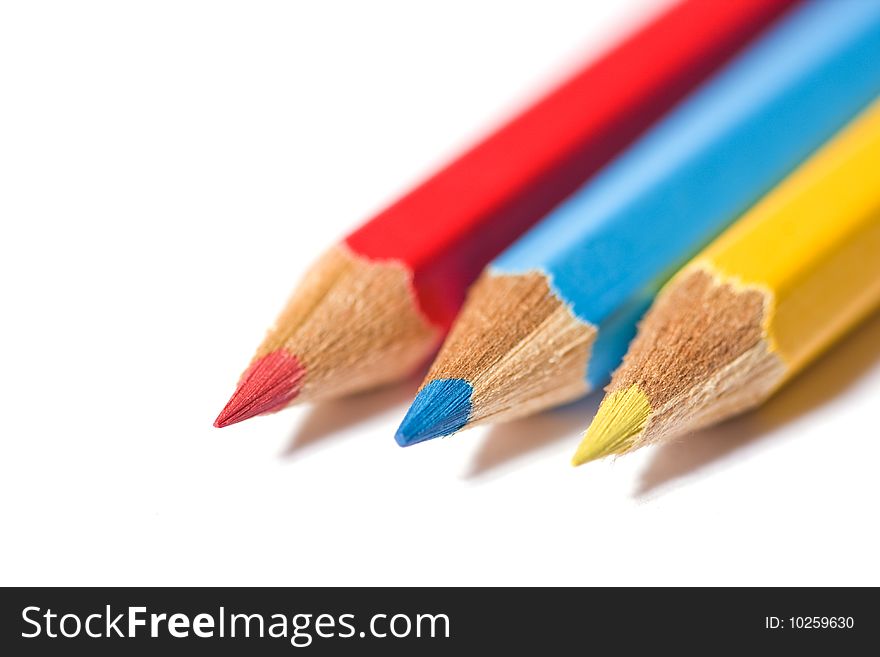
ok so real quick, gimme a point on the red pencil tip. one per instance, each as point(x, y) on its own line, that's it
point(268, 385)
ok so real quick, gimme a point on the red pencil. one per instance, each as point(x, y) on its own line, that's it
point(375, 306)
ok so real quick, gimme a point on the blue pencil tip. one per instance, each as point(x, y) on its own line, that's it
point(441, 408)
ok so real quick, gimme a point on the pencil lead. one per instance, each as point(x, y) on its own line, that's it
point(440, 409)
point(268, 385)
point(621, 419)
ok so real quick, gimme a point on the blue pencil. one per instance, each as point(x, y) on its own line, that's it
point(553, 315)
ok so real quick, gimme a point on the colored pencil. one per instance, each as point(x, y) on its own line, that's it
point(553, 315)
point(762, 301)
point(377, 305)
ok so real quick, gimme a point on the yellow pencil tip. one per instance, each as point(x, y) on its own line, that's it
point(622, 417)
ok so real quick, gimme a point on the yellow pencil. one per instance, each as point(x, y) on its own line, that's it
point(763, 300)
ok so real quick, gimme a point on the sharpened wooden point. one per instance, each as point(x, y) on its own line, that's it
point(514, 350)
point(621, 419)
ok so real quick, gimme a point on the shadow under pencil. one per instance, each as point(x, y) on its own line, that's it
point(323, 421)
point(512, 441)
point(828, 377)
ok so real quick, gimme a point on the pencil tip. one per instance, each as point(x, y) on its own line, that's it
point(622, 417)
point(268, 385)
point(440, 409)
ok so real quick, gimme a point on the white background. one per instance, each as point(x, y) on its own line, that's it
point(168, 170)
